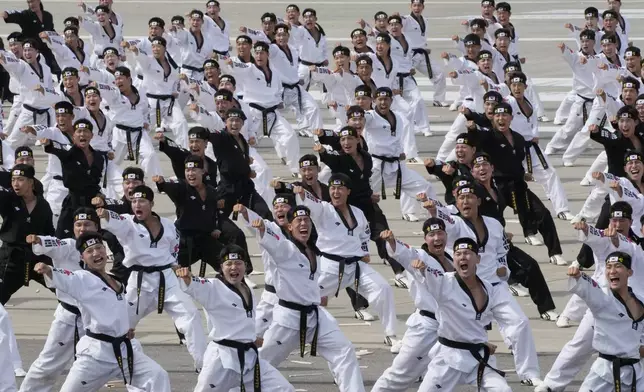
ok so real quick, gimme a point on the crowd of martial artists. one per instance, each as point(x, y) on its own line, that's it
point(96, 108)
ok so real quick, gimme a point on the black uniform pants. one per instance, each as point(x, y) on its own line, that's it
point(250, 199)
point(199, 246)
point(585, 257)
point(525, 271)
point(65, 226)
point(17, 269)
point(533, 215)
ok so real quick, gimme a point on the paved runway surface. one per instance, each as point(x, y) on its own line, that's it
point(540, 28)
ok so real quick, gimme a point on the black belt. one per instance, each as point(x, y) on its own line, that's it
point(241, 354)
point(427, 313)
point(36, 112)
point(308, 64)
point(584, 110)
point(221, 52)
point(619, 363)
point(191, 68)
point(537, 151)
point(139, 281)
point(74, 310)
point(344, 261)
point(160, 98)
point(270, 288)
point(383, 160)
point(265, 112)
point(401, 79)
point(304, 314)
point(428, 63)
point(116, 345)
point(291, 87)
point(474, 349)
point(132, 154)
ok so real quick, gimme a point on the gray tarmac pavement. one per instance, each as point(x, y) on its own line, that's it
point(540, 27)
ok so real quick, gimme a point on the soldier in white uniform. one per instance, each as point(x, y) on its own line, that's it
point(615, 337)
point(129, 110)
point(298, 317)
point(463, 354)
point(108, 349)
point(103, 32)
point(161, 77)
point(310, 40)
point(422, 326)
point(232, 357)
point(31, 74)
point(263, 88)
point(414, 26)
point(151, 246)
point(196, 46)
point(66, 50)
point(216, 28)
point(67, 327)
point(343, 251)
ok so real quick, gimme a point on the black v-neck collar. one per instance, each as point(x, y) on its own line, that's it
point(628, 311)
point(248, 306)
point(481, 242)
point(122, 286)
point(153, 240)
point(344, 221)
point(478, 311)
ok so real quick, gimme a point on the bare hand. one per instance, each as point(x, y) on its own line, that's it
point(298, 190)
point(42, 269)
point(215, 234)
point(501, 271)
point(158, 179)
point(98, 202)
point(185, 274)
point(418, 264)
point(33, 239)
point(573, 271)
point(429, 162)
point(599, 176)
point(159, 136)
point(317, 147)
point(102, 213)
point(375, 198)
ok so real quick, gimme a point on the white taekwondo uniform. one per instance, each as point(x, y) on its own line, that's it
point(66, 57)
point(101, 39)
point(130, 137)
point(340, 90)
point(286, 62)
point(296, 282)
point(7, 377)
point(342, 248)
point(616, 334)
point(152, 283)
point(493, 248)
point(66, 329)
point(422, 325)
point(96, 361)
point(36, 108)
point(194, 54)
point(264, 96)
point(220, 36)
point(232, 358)
point(579, 349)
point(161, 90)
point(415, 30)
point(461, 324)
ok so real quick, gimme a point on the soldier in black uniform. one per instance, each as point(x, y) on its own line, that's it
point(236, 184)
point(197, 142)
point(203, 227)
point(83, 169)
point(25, 156)
point(461, 167)
point(23, 212)
point(506, 149)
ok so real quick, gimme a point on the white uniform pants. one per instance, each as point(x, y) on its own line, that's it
point(263, 176)
point(413, 358)
point(333, 346)
point(89, 375)
point(340, 114)
point(26, 117)
point(595, 383)
point(411, 94)
point(593, 204)
point(148, 157)
point(114, 189)
point(308, 117)
point(16, 107)
point(600, 164)
point(214, 377)
point(438, 76)
point(580, 141)
point(325, 174)
point(7, 377)
point(372, 286)
point(412, 183)
point(533, 96)
point(549, 179)
point(565, 106)
point(573, 356)
point(515, 328)
point(179, 306)
point(442, 377)
point(162, 116)
point(55, 194)
point(574, 124)
point(575, 308)
point(16, 359)
point(285, 139)
point(57, 353)
point(264, 312)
